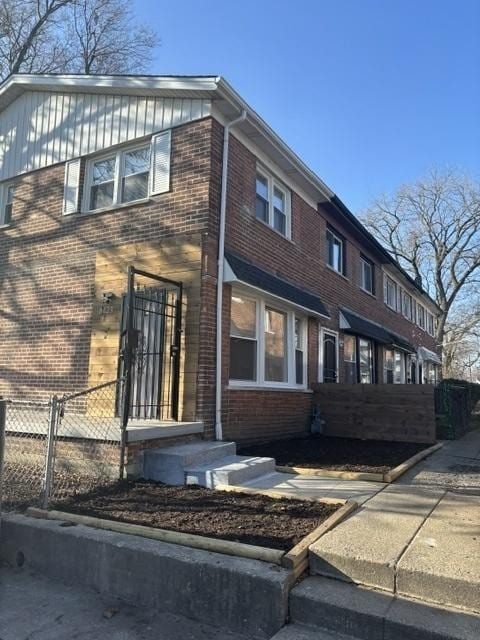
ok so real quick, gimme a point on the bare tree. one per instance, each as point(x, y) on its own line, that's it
point(107, 40)
point(76, 36)
point(31, 39)
point(432, 227)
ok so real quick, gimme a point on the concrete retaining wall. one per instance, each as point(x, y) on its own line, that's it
point(235, 593)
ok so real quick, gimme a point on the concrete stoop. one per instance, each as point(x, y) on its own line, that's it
point(207, 464)
point(238, 594)
point(323, 607)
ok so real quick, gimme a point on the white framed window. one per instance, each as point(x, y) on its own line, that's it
point(421, 320)
point(366, 360)
point(268, 344)
point(430, 323)
point(117, 178)
point(272, 202)
point(407, 306)
point(7, 195)
point(367, 281)
point(335, 251)
point(399, 368)
point(390, 293)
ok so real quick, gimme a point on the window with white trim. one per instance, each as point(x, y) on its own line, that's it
point(390, 293)
point(7, 191)
point(118, 178)
point(407, 305)
point(430, 323)
point(335, 251)
point(272, 203)
point(367, 275)
point(268, 344)
point(421, 316)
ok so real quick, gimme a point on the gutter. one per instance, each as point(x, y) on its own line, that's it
point(221, 253)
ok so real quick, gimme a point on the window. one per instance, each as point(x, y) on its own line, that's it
point(399, 370)
point(421, 316)
point(243, 339)
point(136, 169)
point(118, 178)
point(267, 344)
point(390, 293)
point(430, 324)
point(365, 352)
point(275, 346)
point(367, 275)
point(272, 203)
point(350, 359)
point(389, 366)
point(407, 306)
point(336, 251)
point(6, 213)
point(299, 351)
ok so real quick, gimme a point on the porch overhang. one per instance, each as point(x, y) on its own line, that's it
point(429, 356)
point(354, 323)
point(238, 270)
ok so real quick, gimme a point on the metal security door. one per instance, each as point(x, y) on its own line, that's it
point(150, 346)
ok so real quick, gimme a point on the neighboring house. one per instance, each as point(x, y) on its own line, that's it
point(99, 173)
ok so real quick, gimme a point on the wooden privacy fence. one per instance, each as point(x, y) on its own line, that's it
point(402, 412)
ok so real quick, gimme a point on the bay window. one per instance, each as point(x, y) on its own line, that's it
point(267, 344)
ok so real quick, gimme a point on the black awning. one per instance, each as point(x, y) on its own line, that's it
point(363, 327)
point(249, 274)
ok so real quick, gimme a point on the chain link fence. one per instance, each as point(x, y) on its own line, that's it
point(51, 451)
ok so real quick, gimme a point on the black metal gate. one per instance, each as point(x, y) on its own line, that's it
point(150, 347)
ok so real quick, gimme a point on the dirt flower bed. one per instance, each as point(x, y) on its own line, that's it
point(337, 454)
point(251, 519)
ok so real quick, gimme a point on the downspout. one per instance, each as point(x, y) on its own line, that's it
point(221, 251)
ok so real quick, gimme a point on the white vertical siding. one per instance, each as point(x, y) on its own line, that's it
point(42, 128)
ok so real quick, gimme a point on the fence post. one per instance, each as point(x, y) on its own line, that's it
point(52, 427)
point(3, 420)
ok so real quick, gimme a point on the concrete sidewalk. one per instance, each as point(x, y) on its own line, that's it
point(33, 606)
point(419, 537)
point(456, 467)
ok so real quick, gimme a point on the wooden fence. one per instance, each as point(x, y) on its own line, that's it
point(402, 412)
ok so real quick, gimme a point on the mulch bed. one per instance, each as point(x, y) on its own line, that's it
point(251, 519)
point(337, 454)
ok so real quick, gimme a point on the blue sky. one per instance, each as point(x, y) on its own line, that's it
point(369, 93)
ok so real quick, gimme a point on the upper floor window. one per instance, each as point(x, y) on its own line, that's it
point(367, 275)
point(335, 251)
point(430, 324)
point(390, 293)
point(407, 306)
point(118, 178)
point(8, 191)
point(272, 203)
point(421, 316)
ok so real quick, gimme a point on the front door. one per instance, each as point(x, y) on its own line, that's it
point(329, 357)
point(151, 317)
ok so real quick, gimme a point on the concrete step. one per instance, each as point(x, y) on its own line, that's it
point(229, 470)
point(345, 608)
point(168, 464)
point(300, 632)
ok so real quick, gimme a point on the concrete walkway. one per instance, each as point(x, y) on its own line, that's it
point(316, 486)
point(419, 537)
point(35, 607)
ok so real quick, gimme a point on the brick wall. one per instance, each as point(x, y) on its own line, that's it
point(47, 263)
